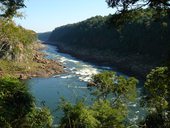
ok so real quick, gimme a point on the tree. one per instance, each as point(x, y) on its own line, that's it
point(39, 118)
point(10, 7)
point(126, 5)
point(15, 101)
point(113, 92)
point(108, 110)
point(17, 107)
point(128, 10)
point(108, 83)
point(110, 115)
point(77, 116)
point(158, 98)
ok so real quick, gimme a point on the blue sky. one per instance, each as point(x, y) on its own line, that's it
point(45, 15)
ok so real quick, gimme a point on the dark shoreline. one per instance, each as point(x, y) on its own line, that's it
point(115, 66)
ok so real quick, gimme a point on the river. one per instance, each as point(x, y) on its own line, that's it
point(72, 84)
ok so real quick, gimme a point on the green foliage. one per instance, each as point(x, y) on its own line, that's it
point(15, 101)
point(77, 116)
point(104, 83)
point(17, 107)
point(126, 8)
point(44, 36)
point(100, 115)
point(10, 7)
point(89, 34)
point(157, 84)
point(146, 16)
point(113, 92)
point(142, 38)
point(108, 83)
point(157, 100)
point(109, 109)
point(39, 118)
point(128, 5)
point(14, 39)
point(16, 34)
point(109, 115)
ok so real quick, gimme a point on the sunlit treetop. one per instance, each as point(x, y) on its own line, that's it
point(9, 8)
point(132, 10)
point(125, 5)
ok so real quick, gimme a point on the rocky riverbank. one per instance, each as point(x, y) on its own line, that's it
point(38, 66)
point(133, 65)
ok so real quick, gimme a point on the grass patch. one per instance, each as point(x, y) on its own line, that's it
point(13, 68)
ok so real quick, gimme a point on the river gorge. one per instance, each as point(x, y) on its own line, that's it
point(72, 85)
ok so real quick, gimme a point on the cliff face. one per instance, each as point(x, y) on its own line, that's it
point(20, 55)
point(15, 42)
point(8, 52)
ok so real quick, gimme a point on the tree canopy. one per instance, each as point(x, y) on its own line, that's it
point(128, 10)
point(17, 107)
point(158, 98)
point(126, 5)
point(9, 8)
point(108, 108)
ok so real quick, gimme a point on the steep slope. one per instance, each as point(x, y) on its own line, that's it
point(137, 48)
point(44, 36)
point(19, 53)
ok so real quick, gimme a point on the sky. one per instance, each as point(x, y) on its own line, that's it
point(46, 15)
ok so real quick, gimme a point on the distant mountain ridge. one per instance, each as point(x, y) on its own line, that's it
point(43, 36)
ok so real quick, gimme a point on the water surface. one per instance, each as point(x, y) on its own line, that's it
point(71, 85)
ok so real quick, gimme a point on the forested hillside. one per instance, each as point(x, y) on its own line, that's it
point(138, 46)
point(44, 36)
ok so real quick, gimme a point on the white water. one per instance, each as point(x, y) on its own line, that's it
point(71, 85)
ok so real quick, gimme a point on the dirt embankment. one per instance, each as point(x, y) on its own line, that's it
point(38, 66)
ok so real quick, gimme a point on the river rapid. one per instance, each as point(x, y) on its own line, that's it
point(72, 85)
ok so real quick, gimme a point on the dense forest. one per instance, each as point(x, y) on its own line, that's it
point(44, 36)
point(138, 46)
